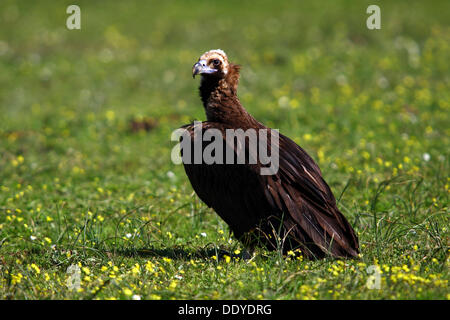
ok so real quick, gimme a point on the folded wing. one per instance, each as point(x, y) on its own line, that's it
point(293, 208)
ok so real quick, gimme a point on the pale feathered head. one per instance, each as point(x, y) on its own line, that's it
point(212, 63)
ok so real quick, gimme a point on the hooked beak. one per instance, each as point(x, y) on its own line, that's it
point(202, 68)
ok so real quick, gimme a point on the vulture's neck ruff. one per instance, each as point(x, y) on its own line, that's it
point(219, 96)
point(218, 88)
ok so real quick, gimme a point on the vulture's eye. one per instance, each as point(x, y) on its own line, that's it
point(216, 62)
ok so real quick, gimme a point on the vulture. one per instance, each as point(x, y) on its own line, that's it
point(287, 208)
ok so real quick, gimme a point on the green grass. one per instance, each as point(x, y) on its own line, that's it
point(78, 187)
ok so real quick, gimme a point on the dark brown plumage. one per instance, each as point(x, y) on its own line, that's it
point(291, 209)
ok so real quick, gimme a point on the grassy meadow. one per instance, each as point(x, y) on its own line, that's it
point(86, 180)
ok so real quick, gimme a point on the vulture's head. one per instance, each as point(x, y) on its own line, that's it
point(213, 63)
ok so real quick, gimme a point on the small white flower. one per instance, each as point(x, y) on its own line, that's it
point(33, 238)
point(171, 175)
point(128, 235)
point(136, 297)
point(341, 80)
point(426, 156)
point(203, 234)
point(283, 102)
point(178, 277)
point(382, 82)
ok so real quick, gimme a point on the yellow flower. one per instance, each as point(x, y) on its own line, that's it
point(35, 268)
point(173, 285)
point(127, 292)
point(136, 269)
point(16, 278)
point(149, 266)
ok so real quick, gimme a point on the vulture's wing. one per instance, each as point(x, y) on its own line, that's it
point(234, 191)
point(311, 203)
point(296, 198)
